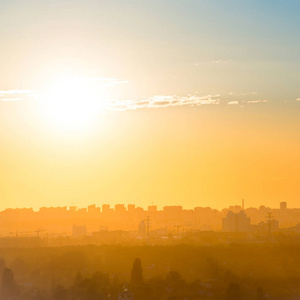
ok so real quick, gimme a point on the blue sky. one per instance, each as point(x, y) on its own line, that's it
point(161, 47)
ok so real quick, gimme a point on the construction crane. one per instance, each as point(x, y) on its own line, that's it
point(177, 227)
point(38, 232)
point(17, 233)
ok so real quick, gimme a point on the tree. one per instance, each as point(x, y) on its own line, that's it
point(173, 277)
point(137, 272)
point(59, 293)
point(175, 283)
point(8, 283)
point(233, 292)
point(260, 294)
point(2, 266)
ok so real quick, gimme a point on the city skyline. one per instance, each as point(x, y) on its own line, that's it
point(119, 217)
point(113, 206)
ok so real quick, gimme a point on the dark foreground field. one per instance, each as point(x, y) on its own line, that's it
point(231, 271)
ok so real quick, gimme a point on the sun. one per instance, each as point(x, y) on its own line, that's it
point(72, 103)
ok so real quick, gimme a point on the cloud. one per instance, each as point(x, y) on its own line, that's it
point(157, 101)
point(257, 101)
point(214, 61)
point(163, 101)
point(26, 94)
point(16, 95)
point(221, 61)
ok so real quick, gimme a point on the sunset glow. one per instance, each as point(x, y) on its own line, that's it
point(72, 104)
point(191, 103)
point(149, 150)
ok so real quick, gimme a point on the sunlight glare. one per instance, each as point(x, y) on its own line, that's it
point(72, 104)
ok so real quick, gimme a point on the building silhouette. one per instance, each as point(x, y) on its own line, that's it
point(236, 222)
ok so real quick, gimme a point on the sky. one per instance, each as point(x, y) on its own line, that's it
point(192, 103)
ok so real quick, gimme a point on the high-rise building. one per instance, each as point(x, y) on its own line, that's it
point(131, 207)
point(152, 208)
point(142, 228)
point(283, 205)
point(92, 209)
point(120, 208)
point(236, 222)
point(105, 208)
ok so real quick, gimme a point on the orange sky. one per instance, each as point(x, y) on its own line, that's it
point(192, 103)
point(203, 156)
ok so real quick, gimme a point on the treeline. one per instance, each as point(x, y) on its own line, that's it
point(252, 271)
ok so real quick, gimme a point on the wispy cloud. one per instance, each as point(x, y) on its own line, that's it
point(163, 101)
point(214, 61)
point(16, 95)
point(174, 100)
point(156, 101)
point(221, 61)
point(257, 101)
point(26, 94)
